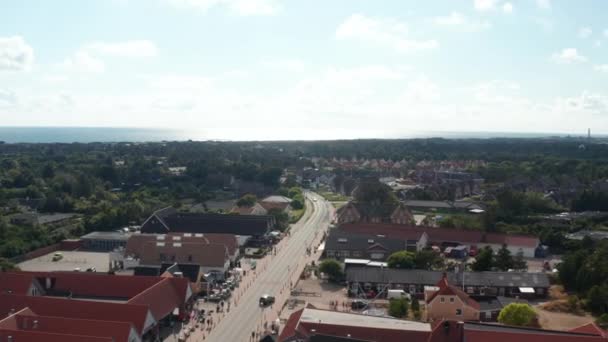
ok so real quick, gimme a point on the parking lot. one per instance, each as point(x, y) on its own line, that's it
point(69, 261)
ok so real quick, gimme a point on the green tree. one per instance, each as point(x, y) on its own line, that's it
point(597, 299)
point(332, 268)
point(519, 263)
point(504, 259)
point(398, 307)
point(281, 218)
point(401, 259)
point(247, 200)
point(428, 259)
point(6, 265)
point(518, 314)
point(484, 260)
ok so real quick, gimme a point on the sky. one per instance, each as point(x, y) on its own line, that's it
point(306, 69)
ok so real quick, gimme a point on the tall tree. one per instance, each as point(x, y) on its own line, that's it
point(519, 263)
point(484, 260)
point(401, 259)
point(504, 259)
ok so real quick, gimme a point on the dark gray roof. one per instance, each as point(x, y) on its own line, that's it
point(491, 303)
point(168, 220)
point(442, 204)
point(340, 240)
point(423, 277)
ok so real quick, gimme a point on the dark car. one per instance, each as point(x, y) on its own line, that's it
point(358, 304)
point(266, 300)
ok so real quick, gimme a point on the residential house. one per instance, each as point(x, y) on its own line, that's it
point(446, 301)
point(255, 209)
point(354, 212)
point(276, 202)
point(342, 244)
point(448, 237)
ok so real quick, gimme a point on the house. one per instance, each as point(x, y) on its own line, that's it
point(75, 306)
point(354, 212)
point(169, 220)
point(276, 202)
point(314, 325)
point(341, 244)
point(104, 241)
point(363, 279)
point(449, 237)
point(187, 250)
point(136, 242)
point(447, 206)
point(446, 301)
point(255, 209)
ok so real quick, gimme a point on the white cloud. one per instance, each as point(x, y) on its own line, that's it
point(568, 56)
point(601, 68)
point(294, 65)
point(130, 48)
point(585, 32)
point(382, 31)
point(485, 5)
point(543, 4)
point(597, 43)
point(15, 54)
point(457, 19)
point(7, 98)
point(421, 90)
point(82, 61)
point(507, 8)
point(240, 7)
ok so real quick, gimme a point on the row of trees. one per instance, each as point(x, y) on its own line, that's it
point(503, 260)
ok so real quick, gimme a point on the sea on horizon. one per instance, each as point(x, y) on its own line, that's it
point(123, 134)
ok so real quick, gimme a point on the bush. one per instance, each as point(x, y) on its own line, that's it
point(398, 307)
point(332, 268)
point(519, 314)
point(401, 259)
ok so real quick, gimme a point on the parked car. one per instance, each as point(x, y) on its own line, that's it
point(359, 304)
point(266, 300)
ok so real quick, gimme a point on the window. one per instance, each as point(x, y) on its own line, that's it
point(442, 299)
point(458, 312)
point(189, 257)
point(451, 299)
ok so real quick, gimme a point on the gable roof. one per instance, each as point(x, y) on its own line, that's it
point(445, 289)
point(161, 298)
point(340, 240)
point(169, 220)
point(203, 254)
point(78, 309)
point(591, 328)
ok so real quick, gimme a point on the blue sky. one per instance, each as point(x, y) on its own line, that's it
point(295, 69)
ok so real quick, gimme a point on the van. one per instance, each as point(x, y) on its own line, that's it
point(397, 294)
point(266, 300)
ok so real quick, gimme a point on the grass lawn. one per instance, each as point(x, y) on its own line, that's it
point(295, 215)
point(334, 197)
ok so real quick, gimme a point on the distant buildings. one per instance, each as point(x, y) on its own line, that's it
point(354, 212)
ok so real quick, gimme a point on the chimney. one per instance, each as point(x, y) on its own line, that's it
point(35, 325)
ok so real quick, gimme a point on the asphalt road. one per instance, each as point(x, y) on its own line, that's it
point(275, 275)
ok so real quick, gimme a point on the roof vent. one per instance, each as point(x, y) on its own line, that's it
point(198, 235)
point(187, 234)
point(160, 244)
point(177, 238)
point(177, 244)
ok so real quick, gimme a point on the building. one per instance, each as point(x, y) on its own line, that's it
point(169, 220)
point(255, 209)
point(313, 325)
point(75, 306)
point(155, 250)
point(376, 280)
point(448, 237)
point(443, 206)
point(354, 212)
point(104, 241)
point(446, 301)
point(276, 202)
point(342, 244)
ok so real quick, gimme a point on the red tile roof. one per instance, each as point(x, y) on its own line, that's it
point(526, 336)
point(73, 308)
point(289, 329)
point(363, 333)
point(15, 283)
point(164, 297)
point(137, 244)
point(26, 320)
point(591, 328)
point(203, 254)
point(34, 336)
